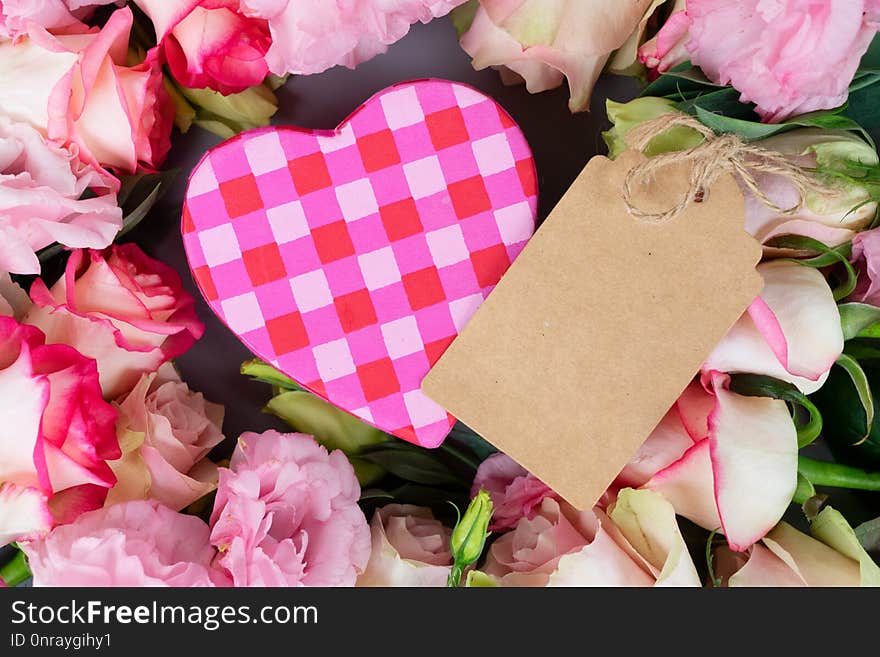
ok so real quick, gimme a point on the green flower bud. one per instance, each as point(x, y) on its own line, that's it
point(626, 116)
point(471, 531)
point(226, 116)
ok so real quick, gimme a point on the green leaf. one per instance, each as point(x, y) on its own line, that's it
point(758, 385)
point(261, 371)
point(856, 318)
point(463, 16)
point(828, 255)
point(139, 193)
point(860, 380)
point(868, 534)
point(833, 530)
point(412, 463)
point(480, 580)
point(804, 491)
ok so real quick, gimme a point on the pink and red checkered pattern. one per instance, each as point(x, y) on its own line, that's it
point(351, 259)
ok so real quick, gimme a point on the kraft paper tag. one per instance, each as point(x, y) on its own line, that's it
point(599, 325)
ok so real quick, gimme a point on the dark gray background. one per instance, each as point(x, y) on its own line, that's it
point(562, 145)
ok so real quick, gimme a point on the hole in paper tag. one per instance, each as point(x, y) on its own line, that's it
point(600, 324)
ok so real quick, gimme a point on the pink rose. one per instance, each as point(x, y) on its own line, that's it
point(287, 514)
point(866, 256)
point(210, 43)
point(56, 434)
point(165, 431)
point(787, 56)
point(310, 36)
point(410, 548)
point(41, 190)
point(515, 492)
point(120, 307)
point(133, 544)
point(76, 89)
point(57, 15)
point(637, 544)
point(543, 43)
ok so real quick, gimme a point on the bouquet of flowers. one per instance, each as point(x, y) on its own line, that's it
point(115, 473)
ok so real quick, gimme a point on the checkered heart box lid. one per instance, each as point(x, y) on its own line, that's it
point(350, 259)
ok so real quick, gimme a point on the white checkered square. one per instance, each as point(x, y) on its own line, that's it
point(379, 268)
point(447, 246)
point(425, 177)
point(402, 337)
point(402, 108)
point(357, 200)
point(311, 291)
point(493, 154)
point(288, 222)
point(242, 313)
point(264, 153)
point(333, 360)
point(219, 245)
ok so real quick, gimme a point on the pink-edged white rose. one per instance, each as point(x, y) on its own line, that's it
point(165, 432)
point(638, 544)
point(76, 89)
point(544, 42)
point(787, 56)
point(866, 257)
point(724, 461)
point(120, 307)
point(56, 434)
point(515, 492)
point(210, 43)
point(41, 190)
point(410, 547)
point(17, 16)
point(791, 331)
point(141, 543)
point(287, 514)
point(310, 36)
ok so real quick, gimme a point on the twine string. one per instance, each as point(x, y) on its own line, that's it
point(716, 155)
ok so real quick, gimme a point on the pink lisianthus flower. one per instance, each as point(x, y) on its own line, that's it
point(724, 461)
point(287, 514)
point(515, 492)
point(866, 257)
point(141, 543)
point(56, 434)
point(310, 36)
point(410, 547)
point(16, 16)
point(791, 331)
point(210, 43)
point(76, 89)
point(120, 307)
point(41, 189)
point(788, 56)
point(165, 432)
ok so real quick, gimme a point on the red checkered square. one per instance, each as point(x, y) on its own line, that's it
point(186, 222)
point(241, 196)
point(264, 264)
point(205, 282)
point(332, 242)
point(401, 219)
point(526, 171)
point(423, 288)
point(355, 310)
point(469, 197)
point(378, 379)
point(447, 128)
point(433, 350)
point(490, 264)
point(309, 173)
point(287, 333)
point(378, 151)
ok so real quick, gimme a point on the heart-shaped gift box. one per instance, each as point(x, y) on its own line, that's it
point(350, 259)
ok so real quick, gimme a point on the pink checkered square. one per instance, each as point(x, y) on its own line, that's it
point(380, 240)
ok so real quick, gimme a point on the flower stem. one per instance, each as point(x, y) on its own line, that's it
point(15, 571)
point(455, 576)
point(821, 473)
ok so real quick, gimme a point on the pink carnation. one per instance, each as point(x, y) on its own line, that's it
point(16, 16)
point(133, 544)
point(786, 56)
point(287, 514)
point(310, 36)
point(41, 190)
point(127, 311)
point(515, 492)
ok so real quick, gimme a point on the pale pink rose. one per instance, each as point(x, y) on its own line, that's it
point(724, 461)
point(866, 257)
point(310, 36)
point(287, 514)
point(165, 432)
point(56, 434)
point(544, 42)
point(210, 43)
point(140, 543)
point(41, 189)
point(120, 307)
point(410, 547)
point(791, 331)
point(76, 89)
point(639, 544)
point(786, 56)
point(16, 16)
point(515, 492)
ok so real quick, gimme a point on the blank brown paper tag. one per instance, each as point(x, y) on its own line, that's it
point(599, 325)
